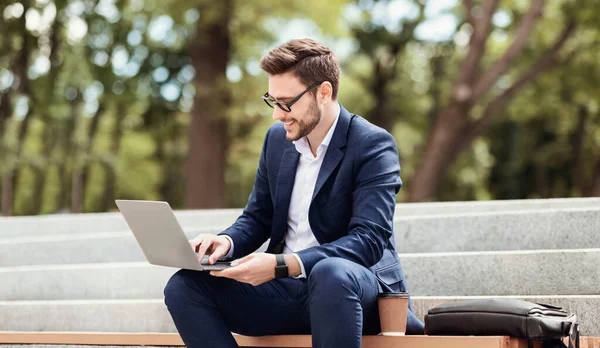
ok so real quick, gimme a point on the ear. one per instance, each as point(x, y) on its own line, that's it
point(325, 92)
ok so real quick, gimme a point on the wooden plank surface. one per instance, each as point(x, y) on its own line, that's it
point(296, 341)
point(91, 338)
point(293, 341)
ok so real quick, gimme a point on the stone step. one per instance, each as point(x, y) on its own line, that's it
point(74, 249)
point(532, 230)
point(191, 219)
point(550, 272)
point(131, 280)
point(491, 231)
point(152, 315)
point(443, 208)
point(66, 224)
point(513, 273)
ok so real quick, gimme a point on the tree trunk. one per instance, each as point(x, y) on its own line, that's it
point(453, 130)
point(110, 186)
point(541, 181)
point(594, 190)
point(78, 157)
point(63, 183)
point(9, 179)
point(68, 143)
point(89, 146)
point(170, 189)
point(205, 166)
point(48, 141)
point(437, 64)
point(379, 115)
point(7, 193)
point(7, 175)
point(577, 141)
point(385, 69)
point(77, 191)
point(441, 150)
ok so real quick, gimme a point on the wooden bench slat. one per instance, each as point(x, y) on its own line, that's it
point(292, 341)
point(296, 341)
point(304, 341)
point(91, 338)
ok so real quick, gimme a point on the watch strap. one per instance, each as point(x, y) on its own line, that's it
point(281, 269)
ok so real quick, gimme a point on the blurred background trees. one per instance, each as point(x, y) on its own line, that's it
point(148, 99)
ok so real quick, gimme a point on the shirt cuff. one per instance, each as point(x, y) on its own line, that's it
point(303, 274)
point(229, 254)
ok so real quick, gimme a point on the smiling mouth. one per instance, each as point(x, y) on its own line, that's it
point(288, 123)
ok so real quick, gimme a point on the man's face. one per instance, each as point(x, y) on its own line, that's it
point(305, 114)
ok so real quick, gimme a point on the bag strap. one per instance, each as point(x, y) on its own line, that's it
point(574, 335)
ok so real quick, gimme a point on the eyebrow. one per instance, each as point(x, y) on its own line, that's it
point(280, 98)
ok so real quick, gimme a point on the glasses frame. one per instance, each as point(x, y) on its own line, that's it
point(287, 106)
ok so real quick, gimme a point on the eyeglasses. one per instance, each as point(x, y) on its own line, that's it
point(287, 106)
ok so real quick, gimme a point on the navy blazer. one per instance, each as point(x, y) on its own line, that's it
point(352, 209)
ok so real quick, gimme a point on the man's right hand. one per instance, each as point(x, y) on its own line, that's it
point(209, 244)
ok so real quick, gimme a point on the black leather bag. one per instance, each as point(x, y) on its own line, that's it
point(504, 317)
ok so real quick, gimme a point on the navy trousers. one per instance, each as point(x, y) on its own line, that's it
point(337, 304)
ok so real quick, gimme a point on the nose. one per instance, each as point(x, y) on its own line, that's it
point(278, 114)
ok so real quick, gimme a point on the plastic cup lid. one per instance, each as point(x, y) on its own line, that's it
point(393, 295)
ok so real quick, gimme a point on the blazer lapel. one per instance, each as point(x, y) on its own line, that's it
point(334, 154)
point(283, 194)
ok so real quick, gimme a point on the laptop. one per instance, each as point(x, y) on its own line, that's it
point(160, 236)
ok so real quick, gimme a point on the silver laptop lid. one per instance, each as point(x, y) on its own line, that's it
point(159, 234)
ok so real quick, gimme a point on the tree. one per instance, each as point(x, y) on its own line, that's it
point(210, 51)
point(385, 49)
point(455, 126)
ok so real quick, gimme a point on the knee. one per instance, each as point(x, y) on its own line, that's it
point(332, 274)
point(179, 288)
point(175, 286)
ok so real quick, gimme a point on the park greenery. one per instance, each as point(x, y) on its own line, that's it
point(160, 99)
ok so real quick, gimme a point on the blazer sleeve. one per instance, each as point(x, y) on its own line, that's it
point(376, 184)
point(253, 227)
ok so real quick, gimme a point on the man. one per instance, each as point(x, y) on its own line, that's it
point(324, 194)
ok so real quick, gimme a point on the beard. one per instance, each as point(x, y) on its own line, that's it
point(306, 126)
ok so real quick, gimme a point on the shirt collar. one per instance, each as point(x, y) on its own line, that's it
point(302, 144)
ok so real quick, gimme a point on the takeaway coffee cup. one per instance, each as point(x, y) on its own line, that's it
point(393, 309)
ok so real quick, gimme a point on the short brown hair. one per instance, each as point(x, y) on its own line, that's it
point(307, 59)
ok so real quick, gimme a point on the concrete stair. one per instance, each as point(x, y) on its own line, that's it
point(86, 272)
point(565, 272)
point(197, 219)
point(151, 315)
point(572, 228)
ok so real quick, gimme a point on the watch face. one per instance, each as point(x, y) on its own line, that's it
point(281, 271)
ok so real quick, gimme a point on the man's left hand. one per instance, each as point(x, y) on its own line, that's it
point(253, 269)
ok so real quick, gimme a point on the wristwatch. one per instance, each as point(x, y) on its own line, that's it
point(281, 269)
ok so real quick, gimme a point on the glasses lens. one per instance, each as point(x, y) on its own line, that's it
point(268, 100)
point(284, 107)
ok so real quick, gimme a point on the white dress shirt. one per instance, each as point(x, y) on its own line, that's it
point(299, 234)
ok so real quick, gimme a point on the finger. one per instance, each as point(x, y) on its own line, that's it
point(203, 247)
point(222, 274)
point(241, 261)
point(195, 242)
point(235, 273)
point(217, 254)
